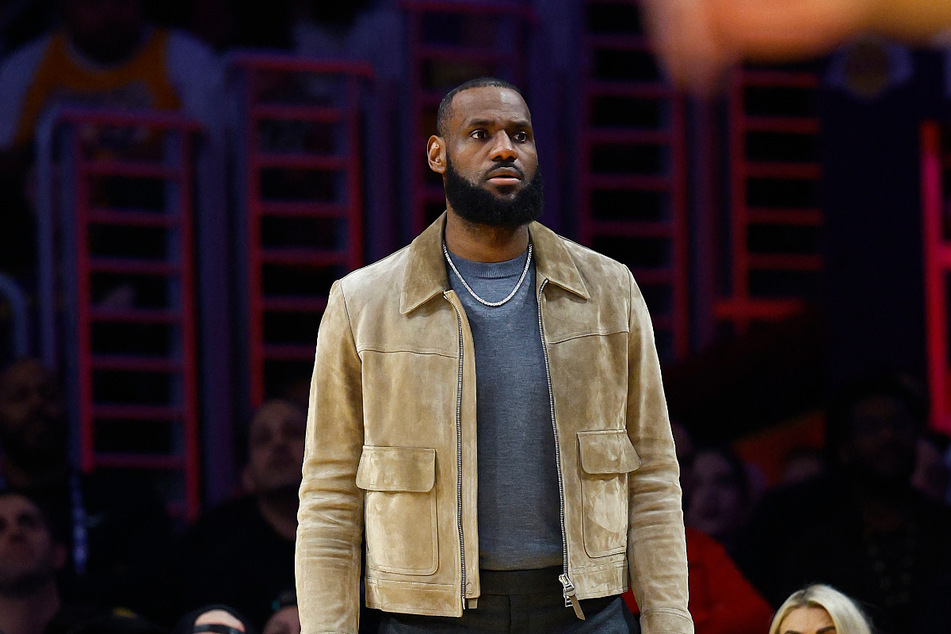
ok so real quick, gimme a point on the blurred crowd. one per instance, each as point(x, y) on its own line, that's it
point(868, 515)
point(100, 552)
point(79, 550)
point(144, 55)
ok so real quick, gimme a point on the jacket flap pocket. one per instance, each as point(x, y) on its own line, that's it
point(607, 451)
point(411, 469)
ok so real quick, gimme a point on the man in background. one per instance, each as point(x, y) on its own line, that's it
point(242, 552)
point(30, 558)
point(115, 527)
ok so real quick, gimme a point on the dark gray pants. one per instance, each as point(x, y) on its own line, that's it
point(528, 601)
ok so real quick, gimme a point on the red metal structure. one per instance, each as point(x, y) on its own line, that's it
point(774, 213)
point(300, 182)
point(449, 43)
point(128, 281)
point(632, 186)
point(935, 169)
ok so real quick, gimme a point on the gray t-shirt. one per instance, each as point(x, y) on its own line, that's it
point(519, 523)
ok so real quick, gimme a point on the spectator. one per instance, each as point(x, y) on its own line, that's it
point(29, 560)
point(30, 597)
point(33, 430)
point(242, 553)
point(105, 54)
point(114, 525)
point(720, 495)
point(286, 617)
point(815, 609)
point(213, 618)
point(722, 601)
point(862, 527)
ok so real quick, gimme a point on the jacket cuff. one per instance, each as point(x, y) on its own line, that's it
point(666, 622)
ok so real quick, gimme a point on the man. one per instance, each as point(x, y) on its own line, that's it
point(115, 526)
point(242, 553)
point(34, 435)
point(487, 406)
point(29, 560)
point(105, 55)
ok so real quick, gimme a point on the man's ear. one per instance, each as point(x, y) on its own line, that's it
point(436, 154)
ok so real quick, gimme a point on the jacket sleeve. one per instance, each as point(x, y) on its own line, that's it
point(657, 554)
point(330, 517)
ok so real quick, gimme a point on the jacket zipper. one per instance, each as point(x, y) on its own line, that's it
point(462, 543)
point(567, 587)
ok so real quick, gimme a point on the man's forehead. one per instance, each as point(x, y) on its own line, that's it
point(13, 504)
point(489, 102)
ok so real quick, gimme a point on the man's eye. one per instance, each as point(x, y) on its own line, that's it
point(479, 134)
point(520, 137)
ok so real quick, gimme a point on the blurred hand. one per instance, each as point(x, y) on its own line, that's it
point(697, 41)
point(691, 52)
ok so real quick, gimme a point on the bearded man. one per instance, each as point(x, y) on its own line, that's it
point(487, 408)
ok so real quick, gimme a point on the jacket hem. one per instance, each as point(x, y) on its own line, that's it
point(592, 582)
point(412, 597)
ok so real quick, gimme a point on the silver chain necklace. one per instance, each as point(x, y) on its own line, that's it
point(528, 261)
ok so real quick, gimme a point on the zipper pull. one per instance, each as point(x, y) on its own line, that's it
point(568, 590)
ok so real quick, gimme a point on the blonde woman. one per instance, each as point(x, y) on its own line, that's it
point(819, 609)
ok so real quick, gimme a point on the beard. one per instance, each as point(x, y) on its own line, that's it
point(480, 206)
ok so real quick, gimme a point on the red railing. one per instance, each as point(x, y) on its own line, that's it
point(106, 420)
point(632, 185)
point(774, 182)
point(325, 98)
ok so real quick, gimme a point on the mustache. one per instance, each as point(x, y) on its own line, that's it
point(503, 167)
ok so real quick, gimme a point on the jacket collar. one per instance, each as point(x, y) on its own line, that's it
point(426, 268)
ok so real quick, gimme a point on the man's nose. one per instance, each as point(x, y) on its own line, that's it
point(503, 149)
point(35, 400)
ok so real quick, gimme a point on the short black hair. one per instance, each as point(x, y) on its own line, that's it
point(445, 106)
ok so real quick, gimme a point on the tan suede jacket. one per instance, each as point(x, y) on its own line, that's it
point(391, 442)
